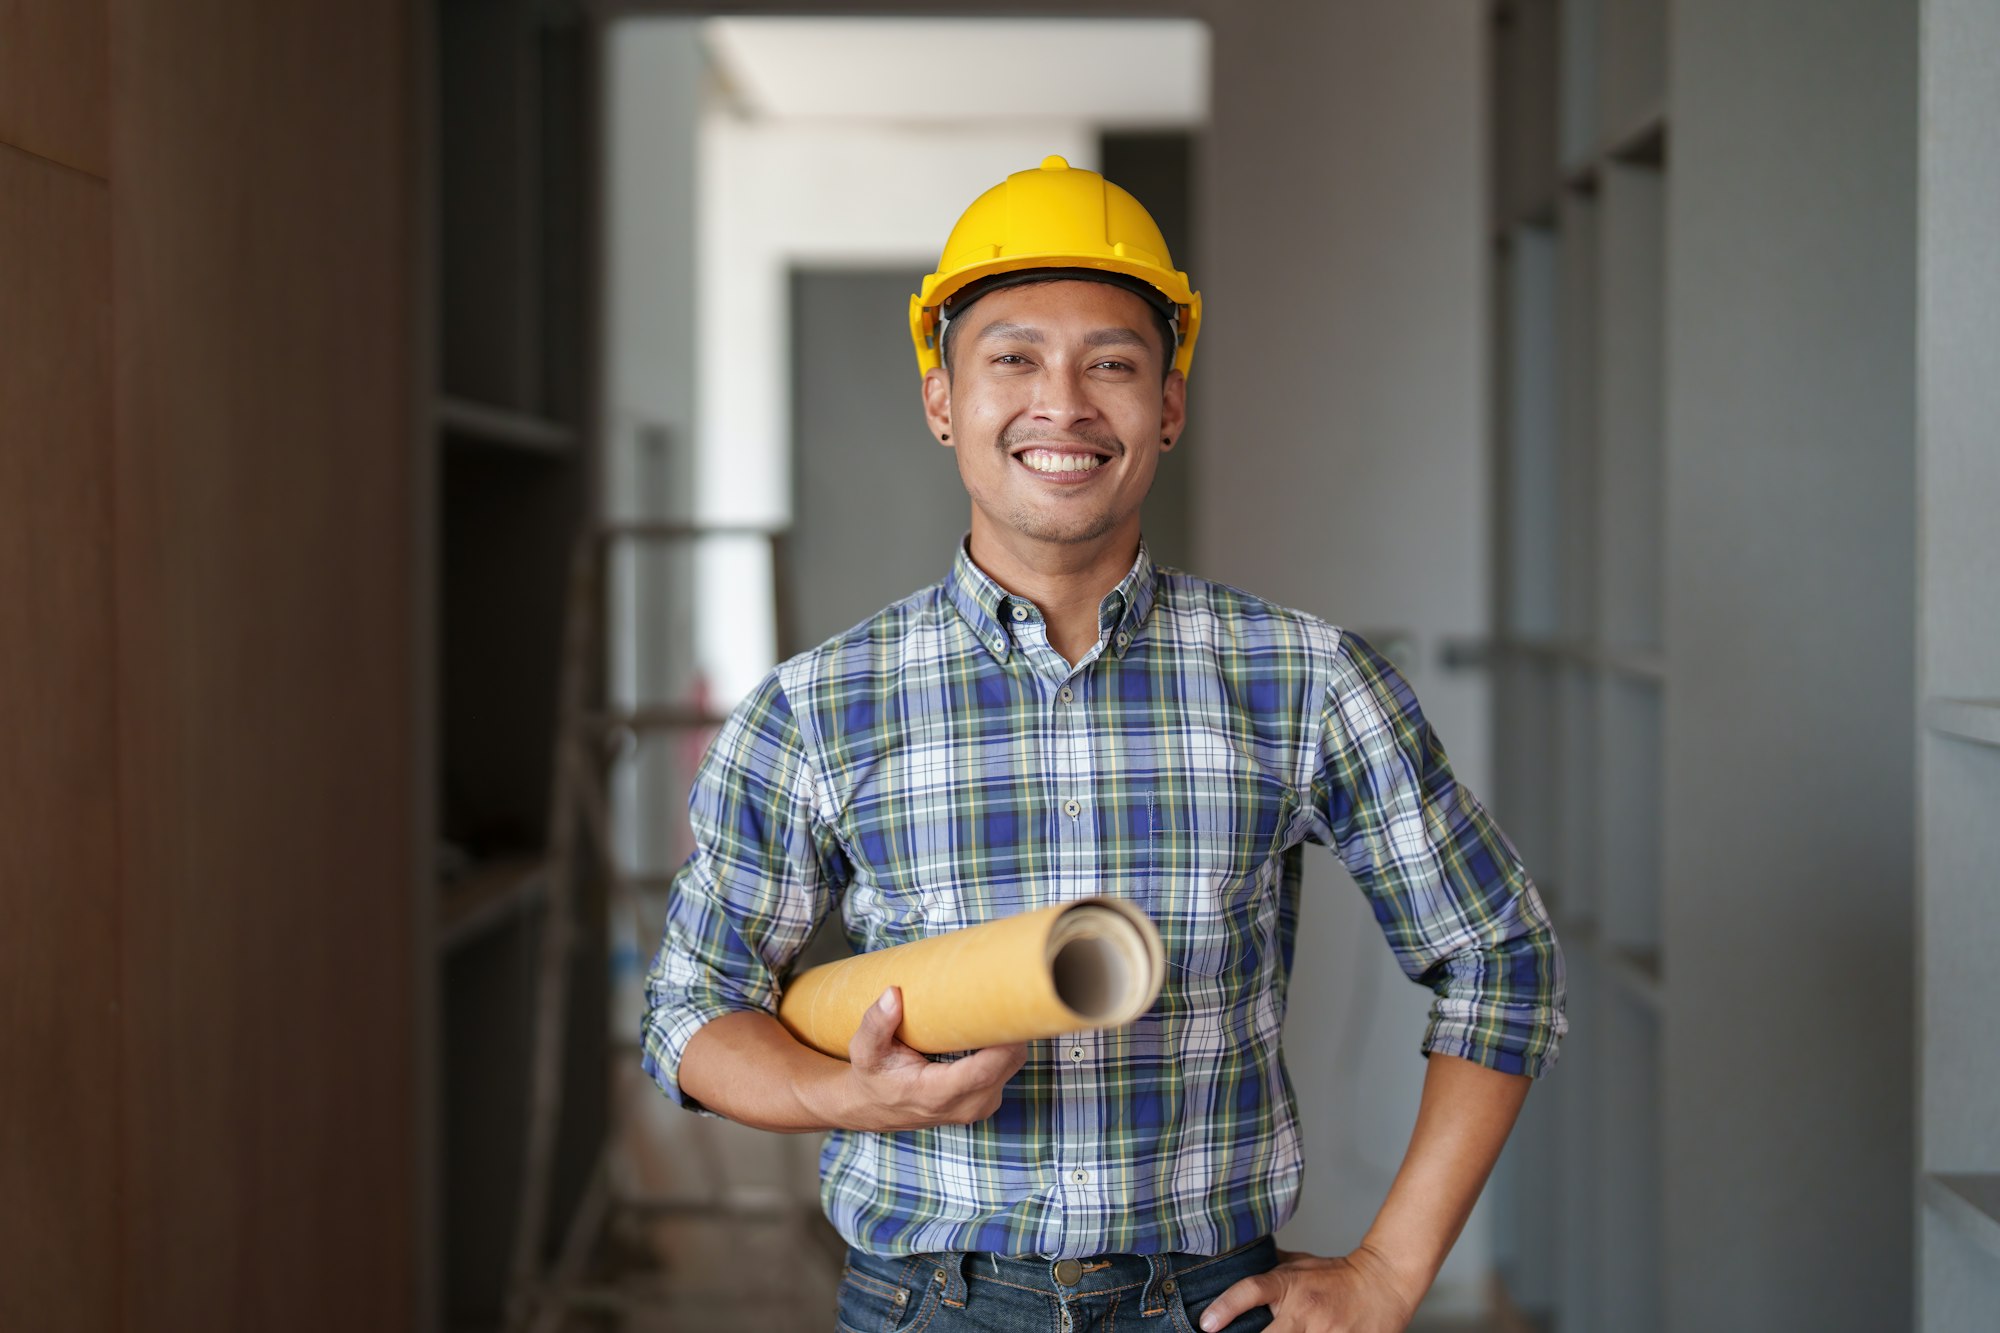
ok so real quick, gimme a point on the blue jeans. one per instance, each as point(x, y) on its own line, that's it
point(952, 1291)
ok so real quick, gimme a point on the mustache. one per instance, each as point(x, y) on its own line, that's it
point(1015, 436)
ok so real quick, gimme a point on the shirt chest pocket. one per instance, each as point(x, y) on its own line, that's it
point(1209, 885)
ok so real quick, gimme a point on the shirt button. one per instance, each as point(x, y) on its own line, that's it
point(1020, 613)
point(1123, 638)
point(1079, 1177)
point(1072, 809)
point(1064, 694)
point(1076, 1054)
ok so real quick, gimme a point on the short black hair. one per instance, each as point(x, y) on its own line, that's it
point(1161, 325)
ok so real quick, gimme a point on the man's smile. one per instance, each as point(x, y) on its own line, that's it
point(1064, 460)
point(1066, 465)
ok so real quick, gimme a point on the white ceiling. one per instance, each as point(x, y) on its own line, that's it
point(1117, 73)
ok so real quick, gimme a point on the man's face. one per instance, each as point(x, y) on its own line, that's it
point(1056, 409)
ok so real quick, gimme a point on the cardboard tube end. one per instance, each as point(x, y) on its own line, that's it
point(1094, 978)
point(1105, 961)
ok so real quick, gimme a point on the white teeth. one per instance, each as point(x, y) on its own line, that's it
point(1048, 460)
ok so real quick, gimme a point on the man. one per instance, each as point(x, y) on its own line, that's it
point(1058, 718)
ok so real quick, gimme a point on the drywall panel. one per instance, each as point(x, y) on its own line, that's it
point(52, 81)
point(1961, 938)
point(1576, 893)
point(876, 514)
point(1961, 1276)
point(1626, 1210)
point(59, 937)
point(1787, 898)
point(1961, 349)
point(1532, 563)
point(1578, 100)
point(1627, 775)
point(655, 72)
point(1578, 466)
point(262, 237)
point(1339, 461)
point(1631, 74)
point(1630, 508)
point(1959, 385)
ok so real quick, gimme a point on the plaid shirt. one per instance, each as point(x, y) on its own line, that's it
point(941, 765)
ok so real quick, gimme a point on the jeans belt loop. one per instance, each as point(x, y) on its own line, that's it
point(951, 1263)
point(1159, 1281)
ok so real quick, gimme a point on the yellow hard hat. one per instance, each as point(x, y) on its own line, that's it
point(1053, 217)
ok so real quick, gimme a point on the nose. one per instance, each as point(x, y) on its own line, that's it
point(1062, 397)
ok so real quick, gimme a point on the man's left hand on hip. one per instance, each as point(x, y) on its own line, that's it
point(1355, 1293)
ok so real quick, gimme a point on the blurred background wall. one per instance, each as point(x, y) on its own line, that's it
point(210, 691)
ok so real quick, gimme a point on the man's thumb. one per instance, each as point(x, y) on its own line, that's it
point(877, 1033)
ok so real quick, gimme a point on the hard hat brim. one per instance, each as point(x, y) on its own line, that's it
point(955, 305)
point(943, 300)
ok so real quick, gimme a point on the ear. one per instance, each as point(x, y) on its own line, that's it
point(937, 404)
point(1173, 409)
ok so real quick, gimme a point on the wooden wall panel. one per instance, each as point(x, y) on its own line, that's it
point(59, 1070)
point(262, 179)
point(52, 80)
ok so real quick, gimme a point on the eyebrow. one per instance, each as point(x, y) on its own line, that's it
point(1114, 337)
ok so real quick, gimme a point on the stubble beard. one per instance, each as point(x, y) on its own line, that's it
point(1037, 524)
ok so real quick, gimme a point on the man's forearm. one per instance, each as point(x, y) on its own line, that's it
point(1463, 1121)
point(751, 1069)
point(748, 1067)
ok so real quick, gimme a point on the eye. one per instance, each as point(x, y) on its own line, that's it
point(1115, 365)
point(1010, 359)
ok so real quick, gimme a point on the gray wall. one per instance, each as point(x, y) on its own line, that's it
point(877, 507)
point(1790, 473)
point(654, 86)
point(1960, 644)
point(654, 90)
point(1338, 461)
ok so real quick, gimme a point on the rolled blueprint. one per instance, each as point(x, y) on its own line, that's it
point(1092, 963)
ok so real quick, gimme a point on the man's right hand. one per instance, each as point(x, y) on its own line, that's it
point(747, 1066)
point(894, 1087)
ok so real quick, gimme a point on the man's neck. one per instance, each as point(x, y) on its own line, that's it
point(1068, 582)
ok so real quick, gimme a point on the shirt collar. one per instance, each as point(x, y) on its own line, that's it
point(989, 609)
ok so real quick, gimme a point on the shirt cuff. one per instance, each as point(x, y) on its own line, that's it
point(668, 1030)
point(1514, 1039)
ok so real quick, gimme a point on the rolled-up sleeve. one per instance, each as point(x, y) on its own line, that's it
point(1453, 899)
point(751, 894)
